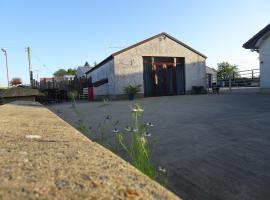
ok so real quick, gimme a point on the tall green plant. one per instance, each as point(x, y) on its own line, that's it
point(130, 89)
point(80, 124)
point(72, 95)
point(139, 149)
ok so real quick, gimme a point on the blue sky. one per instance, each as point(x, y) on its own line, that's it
point(66, 33)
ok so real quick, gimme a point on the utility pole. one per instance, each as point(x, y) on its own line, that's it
point(30, 67)
point(5, 53)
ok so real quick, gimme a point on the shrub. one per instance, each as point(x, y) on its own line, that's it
point(130, 89)
point(198, 90)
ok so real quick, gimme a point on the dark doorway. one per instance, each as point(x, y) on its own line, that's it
point(180, 76)
point(163, 76)
point(209, 80)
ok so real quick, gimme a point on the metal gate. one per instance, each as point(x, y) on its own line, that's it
point(243, 79)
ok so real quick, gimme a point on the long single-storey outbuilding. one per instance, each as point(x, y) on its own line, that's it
point(162, 64)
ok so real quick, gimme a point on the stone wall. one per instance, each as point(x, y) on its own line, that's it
point(129, 64)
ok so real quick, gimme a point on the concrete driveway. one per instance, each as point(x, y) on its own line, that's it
point(214, 146)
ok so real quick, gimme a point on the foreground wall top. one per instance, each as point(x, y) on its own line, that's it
point(43, 157)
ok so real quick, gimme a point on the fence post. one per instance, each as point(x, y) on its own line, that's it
point(90, 89)
point(230, 83)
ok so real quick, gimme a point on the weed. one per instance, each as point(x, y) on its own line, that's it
point(80, 125)
point(162, 175)
point(135, 143)
point(139, 149)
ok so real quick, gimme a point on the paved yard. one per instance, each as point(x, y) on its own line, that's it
point(214, 146)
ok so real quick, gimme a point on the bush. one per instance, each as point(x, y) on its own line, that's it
point(132, 89)
point(198, 90)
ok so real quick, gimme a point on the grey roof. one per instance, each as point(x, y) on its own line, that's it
point(251, 43)
point(84, 69)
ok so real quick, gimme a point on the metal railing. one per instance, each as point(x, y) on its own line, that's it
point(245, 78)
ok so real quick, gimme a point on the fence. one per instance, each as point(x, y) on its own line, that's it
point(56, 90)
point(67, 85)
point(246, 78)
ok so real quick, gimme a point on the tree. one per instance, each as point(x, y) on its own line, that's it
point(15, 81)
point(227, 70)
point(86, 64)
point(71, 71)
point(60, 73)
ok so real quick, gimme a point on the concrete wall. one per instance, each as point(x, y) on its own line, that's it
point(265, 64)
point(129, 64)
point(105, 71)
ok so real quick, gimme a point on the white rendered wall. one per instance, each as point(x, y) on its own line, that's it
point(265, 64)
point(104, 71)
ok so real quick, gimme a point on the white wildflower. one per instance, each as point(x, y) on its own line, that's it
point(149, 124)
point(115, 130)
point(137, 110)
point(162, 169)
point(128, 128)
point(146, 134)
point(143, 141)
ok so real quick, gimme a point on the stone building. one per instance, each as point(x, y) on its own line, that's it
point(162, 65)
